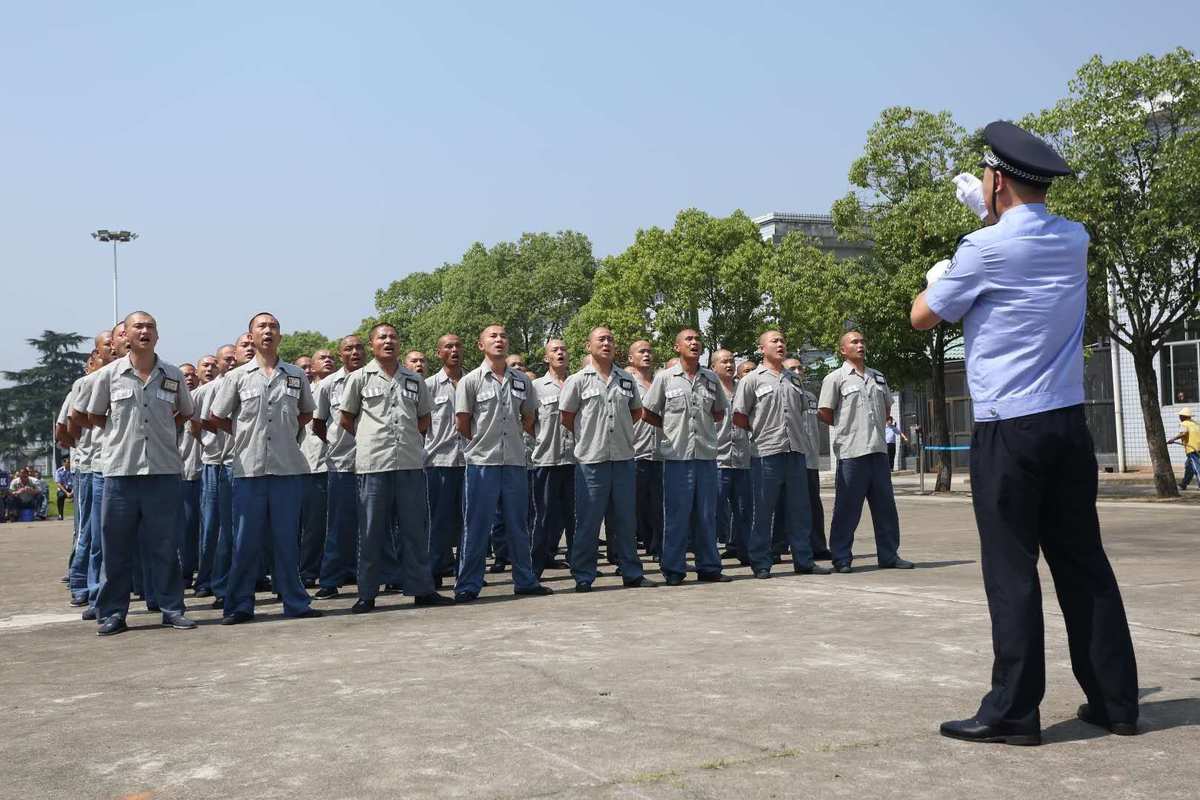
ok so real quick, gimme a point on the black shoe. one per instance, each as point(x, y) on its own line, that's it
point(432, 599)
point(179, 622)
point(842, 569)
point(728, 552)
point(899, 563)
point(583, 588)
point(394, 588)
point(152, 607)
point(112, 626)
point(466, 597)
point(262, 585)
point(236, 618)
point(812, 569)
point(362, 606)
point(762, 573)
point(824, 555)
point(309, 583)
point(497, 567)
point(558, 565)
point(437, 582)
point(79, 601)
point(203, 593)
point(674, 580)
point(537, 590)
point(309, 613)
point(327, 593)
point(641, 583)
point(218, 602)
point(89, 614)
point(65, 579)
point(713, 577)
point(1086, 714)
point(972, 730)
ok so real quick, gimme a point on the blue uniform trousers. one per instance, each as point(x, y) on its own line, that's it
point(313, 520)
point(445, 490)
point(489, 488)
point(338, 564)
point(820, 547)
point(95, 567)
point(392, 509)
point(78, 573)
point(649, 505)
point(139, 512)
point(216, 529)
point(1191, 467)
point(553, 512)
point(869, 477)
point(781, 475)
point(603, 493)
point(690, 516)
point(189, 529)
point(735, 510)
point(266, 507)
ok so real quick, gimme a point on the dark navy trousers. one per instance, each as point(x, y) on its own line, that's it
point(867, 477)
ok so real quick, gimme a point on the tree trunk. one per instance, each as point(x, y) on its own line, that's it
point(1156, 437)
point(940, 433)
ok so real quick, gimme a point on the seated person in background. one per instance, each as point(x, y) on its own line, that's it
point(23, 492)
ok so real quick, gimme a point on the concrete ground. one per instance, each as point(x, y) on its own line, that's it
point(793, 687)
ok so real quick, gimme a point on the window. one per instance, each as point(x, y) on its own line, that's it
point(1184, 331)
point(1179, 373)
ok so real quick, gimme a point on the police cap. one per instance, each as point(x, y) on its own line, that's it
point(1017, 152)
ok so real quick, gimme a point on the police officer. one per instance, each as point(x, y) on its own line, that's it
point(854, 402)
point(735, 498)
point(385, 407)
point(444, 464)
point(313, 514)
point(647, 455)
point(1020, 286)
point(771, 405)
point(553, 460)
point(189, 509)
point(598, 405)
point(339, 562)
point(265, 404)
point(141, 401)
point(685, 400)
point(216, 491)
point(493, 405)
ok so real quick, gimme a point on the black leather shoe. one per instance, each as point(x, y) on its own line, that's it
point(395, 588)
point(536, 590)
point(713, 577)
point(558, 565)
point(309, 583)
point(179, 622)
point(1086, 714)
point(432, 599)
point(497, 567)
point(327, 593)
point(824, 555)
point(842, 569)
point(674, 580)
point(762, 574)
point(79, 601)
point(640, 583)
point(728, 553)
point(899, 563)
point(309, 613)
point(466, 597)
point(112, 626)
point(203, 593)
point(583, 588)
point(218, 602)
point(262, 585)
point(362, 606)
point(972, 730)
point(237, 618)
point(89, 614)
point(811, 569)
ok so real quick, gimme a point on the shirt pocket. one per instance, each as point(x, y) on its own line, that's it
point(676, 400)
point(122, 401)
point(374, 398)
point(250, 403)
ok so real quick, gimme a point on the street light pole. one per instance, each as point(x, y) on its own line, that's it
point(103, 235)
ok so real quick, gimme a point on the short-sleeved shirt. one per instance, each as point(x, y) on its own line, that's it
point(812, 432)
point(553, 445)
point(647, 438)
point(443, 445)
point(1191, 439)
point(64, 412)
point(775, 404)
point(495, 406)
point(1020, 289)
point(860, 405)
point(312, 446)
point(216, 447)
point(191, 449)
point(890, 433)
point(686, 406)
point(341, 453)
point(733, 443)
point(603, 414)
point(62, 477)
point(266, 418)
point(140, 434)
point(387, 409)
point(95, 438)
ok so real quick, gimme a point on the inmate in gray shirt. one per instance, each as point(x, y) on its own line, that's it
point(553, 445)
point(443, 445)
point(495, 406)
point(733, 443)
point(859, 404)
point(387, 409)
point(603, 414)
point(266, 418)
point(774, 403)
point(341, 452)
point(686, 406)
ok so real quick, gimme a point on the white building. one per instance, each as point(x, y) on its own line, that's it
point(1176, 368)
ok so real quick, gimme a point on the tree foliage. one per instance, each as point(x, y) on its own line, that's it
point(304, 343)
point(28, 407)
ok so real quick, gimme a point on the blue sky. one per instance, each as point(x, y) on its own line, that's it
point(298, 156)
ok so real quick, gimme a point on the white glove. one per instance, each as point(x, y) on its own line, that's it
point(969, 191)
point(936, 272)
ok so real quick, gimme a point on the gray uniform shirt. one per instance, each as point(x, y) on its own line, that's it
point(647, 439)
point(216, 447)
point(812, 432)
point(96, 436)
point(190, 448)
point(775, 405)
point(733, 443)
point(340, 453)
point(686, 407)
point(443, 445)
point(80, 460)
point(312, 446)
point(266, 418)
point(553, 444)
point(859, 404)
point(603, 414)
point(495, 405)
point(140, 432)
point(387, 409)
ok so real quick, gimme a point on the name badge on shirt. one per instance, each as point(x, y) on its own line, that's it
point(293, 382)
point(412, 386)
point(165, 396)
point(848, 389)
point(763, 391)
point(672, 393)
point(170, 385)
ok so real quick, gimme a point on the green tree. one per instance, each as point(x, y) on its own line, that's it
point(304, 343)
point(1131, 132)
point(28, 407)
point(904, 202)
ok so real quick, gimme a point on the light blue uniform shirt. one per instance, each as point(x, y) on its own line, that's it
point(1020, 289)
